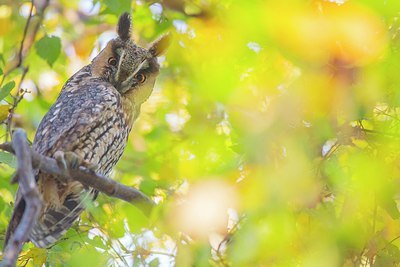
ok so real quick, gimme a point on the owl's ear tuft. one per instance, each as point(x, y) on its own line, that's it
point(159, 46)
point(124, 26)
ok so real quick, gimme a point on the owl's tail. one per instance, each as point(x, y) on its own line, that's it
point(56, 221)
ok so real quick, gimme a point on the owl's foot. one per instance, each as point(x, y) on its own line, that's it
point(67, 161)
point(71, 161)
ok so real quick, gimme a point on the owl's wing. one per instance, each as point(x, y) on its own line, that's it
point(76, 113)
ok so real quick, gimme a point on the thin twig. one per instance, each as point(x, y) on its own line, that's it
point(16, 99)
point(385, 113)
point(388, 243)
point(26, 43)
point(28, 37)
point(21, 48)
point(391, 135)
point(31, 195)
point(20, 55)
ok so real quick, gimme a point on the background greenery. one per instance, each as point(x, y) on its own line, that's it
point(271, 139)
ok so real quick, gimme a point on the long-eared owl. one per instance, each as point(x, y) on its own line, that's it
point(91, 118)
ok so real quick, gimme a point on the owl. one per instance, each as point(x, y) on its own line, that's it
point(90, 121)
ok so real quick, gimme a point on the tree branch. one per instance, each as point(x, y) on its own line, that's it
point(30, 31)
point(31, 195)
point(89, 178)
point(28, 160)
point(28, 36)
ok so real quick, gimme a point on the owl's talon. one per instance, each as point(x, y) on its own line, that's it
point(67, 161)
point(89, 165)
point(73, 160)
point(60, 159)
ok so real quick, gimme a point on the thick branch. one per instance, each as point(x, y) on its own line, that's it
point(31, 195)
point(91, 179)
point(27, 160)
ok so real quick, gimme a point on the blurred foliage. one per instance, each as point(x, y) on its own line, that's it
point(271, 138)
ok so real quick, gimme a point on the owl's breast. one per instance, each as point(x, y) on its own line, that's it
point(105, 143)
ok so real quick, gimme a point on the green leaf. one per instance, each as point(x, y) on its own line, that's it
point(2, 61)
point(6, 89)
point(96, 242)
point(136, 219)
point(49, 48)
point(1, 71)
point(148, 186)
point(116, 7)
point(8, 159)
point(391, 208)
point(154, 263)
point(87, 256)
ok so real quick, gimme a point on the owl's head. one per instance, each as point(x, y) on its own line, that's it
point(131, 69)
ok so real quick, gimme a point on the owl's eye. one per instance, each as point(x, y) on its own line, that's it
point(112, 61)
point(140, 77)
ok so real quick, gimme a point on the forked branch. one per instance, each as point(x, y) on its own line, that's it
point(31, 195)
point(28, 160)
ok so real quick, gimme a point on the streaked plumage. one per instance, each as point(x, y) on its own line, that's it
point(92, 117)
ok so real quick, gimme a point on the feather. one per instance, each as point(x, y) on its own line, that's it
point(124, 26)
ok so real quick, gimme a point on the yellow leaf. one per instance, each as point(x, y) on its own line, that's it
point(38, 255)
point(360, 143)
point(4, 112)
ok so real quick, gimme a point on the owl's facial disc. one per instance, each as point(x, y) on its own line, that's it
point(131, 61)
point(124, 64)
